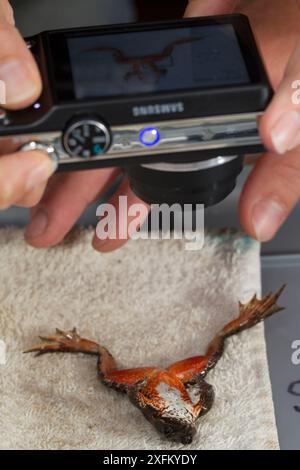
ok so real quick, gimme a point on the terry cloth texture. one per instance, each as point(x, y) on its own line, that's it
point(150, 303)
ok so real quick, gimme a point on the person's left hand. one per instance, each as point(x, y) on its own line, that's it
point(67, 196)
point(273, 188)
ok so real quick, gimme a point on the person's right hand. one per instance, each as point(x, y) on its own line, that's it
point(23, 175)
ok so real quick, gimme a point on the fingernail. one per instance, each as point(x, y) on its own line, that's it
point(267, 217)
point(38, 224)
point(40, 173)
point(285, 134)
point(19, 81)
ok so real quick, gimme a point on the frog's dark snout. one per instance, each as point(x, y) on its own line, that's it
point(178, 433)
point(187, 438)
point(174, 430)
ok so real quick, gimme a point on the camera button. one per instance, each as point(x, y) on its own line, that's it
point(86, 138)
point(42, 147)
point(150, 136)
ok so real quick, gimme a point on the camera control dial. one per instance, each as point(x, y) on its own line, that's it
point(86, 138)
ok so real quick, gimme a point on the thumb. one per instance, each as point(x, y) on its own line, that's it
point(280, 124)
point(18, 71)
point(209, 7)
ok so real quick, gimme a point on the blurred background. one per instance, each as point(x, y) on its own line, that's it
point(50, 14)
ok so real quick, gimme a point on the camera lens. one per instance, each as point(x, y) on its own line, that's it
point(206, 182)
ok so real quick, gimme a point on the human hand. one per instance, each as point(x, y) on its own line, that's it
point(273, 188)
point(66, 198)
point(23, 175)
point(210, 7)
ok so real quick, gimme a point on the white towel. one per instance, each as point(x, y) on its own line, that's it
point(150, 303)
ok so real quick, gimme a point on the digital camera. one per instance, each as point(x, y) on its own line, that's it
point(175, 104)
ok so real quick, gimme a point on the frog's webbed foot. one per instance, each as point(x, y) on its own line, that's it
point(64, 341)
point(254, 311)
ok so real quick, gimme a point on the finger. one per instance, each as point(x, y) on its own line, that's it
point(22, 172)
point(18, 70)
point(209, 7)
point(124, 221)
point(7, 11)
point(32, 198)
point(271, 192)
point(280, 125)
point(66, 198)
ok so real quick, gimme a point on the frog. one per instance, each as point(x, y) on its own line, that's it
point(173, 398)
point(139, 65)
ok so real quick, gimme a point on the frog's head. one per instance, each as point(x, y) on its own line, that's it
point(167, 411)
point(175, 429)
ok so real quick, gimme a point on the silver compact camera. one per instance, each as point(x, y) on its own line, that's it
point(175, 104)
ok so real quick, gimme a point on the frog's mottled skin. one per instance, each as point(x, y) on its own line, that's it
point(172, 399)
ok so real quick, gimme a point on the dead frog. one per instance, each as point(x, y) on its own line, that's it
point(172, 399)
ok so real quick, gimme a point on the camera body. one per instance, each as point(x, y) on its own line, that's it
point(175, 104)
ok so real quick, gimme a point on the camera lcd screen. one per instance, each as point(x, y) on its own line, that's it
point(156, 61)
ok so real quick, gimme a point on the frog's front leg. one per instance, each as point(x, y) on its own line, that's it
point(202, 394)
point(71, 342)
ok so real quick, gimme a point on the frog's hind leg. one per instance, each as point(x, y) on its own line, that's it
point(72, 342)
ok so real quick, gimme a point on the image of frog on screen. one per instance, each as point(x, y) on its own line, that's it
point(156, 61)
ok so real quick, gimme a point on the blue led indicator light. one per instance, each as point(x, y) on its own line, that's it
point(149, 136)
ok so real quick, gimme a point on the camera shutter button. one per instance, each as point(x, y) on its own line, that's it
point(42, 147)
